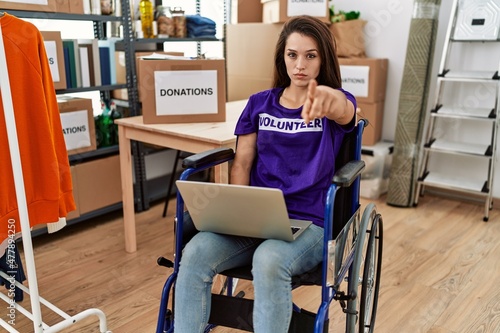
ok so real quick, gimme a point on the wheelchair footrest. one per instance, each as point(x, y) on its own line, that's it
point(237, 312)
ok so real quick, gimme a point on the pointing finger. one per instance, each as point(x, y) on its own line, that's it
point(307, 108)
point(311, 90)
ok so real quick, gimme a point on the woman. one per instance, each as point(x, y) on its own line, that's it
point(288, 138)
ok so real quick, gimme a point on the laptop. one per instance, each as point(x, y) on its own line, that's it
point(249, 211)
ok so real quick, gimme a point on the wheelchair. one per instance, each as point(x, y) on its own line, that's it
point(352, 256)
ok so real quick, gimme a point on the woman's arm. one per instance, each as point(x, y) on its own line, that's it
point(243, 160)
point(324, 101)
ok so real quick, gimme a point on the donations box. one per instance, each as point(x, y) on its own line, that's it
point(77, 120)
point(279, 11)
point(174, 90)
point(365, 78)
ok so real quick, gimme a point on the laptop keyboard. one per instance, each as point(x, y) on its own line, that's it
point(295, 229)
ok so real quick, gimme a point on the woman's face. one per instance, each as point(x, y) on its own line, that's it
point(302, 59)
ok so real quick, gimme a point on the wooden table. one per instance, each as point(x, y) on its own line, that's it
point(188, 137)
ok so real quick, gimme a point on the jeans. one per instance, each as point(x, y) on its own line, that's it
point(274, 262)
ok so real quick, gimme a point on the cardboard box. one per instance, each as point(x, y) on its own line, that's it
point(76, 6)
point(121, 72)
point(244, 80)
point(248, 11)
point(279, 11)
point(365, 78)
point(374, 113)
point(55, 54)
point(77, 119)
point(375, 176)
point(33, 5)
point(242, 87)
point(182, 90)
point(62, 6)
point(75, 213)
point(349, 38)
point(98, 183)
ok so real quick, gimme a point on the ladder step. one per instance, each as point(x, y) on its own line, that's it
point(444, 181)
point(480, 113)
point(464, 40)
point(461, 147)
point(457, 75)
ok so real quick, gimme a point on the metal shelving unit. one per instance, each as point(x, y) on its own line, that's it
point(473, 108)
point(144, 190)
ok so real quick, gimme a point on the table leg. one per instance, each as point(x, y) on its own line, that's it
point(127, 191)
point(221, 173)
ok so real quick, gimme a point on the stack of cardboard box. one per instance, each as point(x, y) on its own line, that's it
point(250, 65)
point(366, 79)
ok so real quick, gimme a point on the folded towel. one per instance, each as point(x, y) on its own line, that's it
point(196, 20)
point(201, 31)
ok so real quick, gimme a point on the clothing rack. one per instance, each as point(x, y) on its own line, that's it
point(35, 314)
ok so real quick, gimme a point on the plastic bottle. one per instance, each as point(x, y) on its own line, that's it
point(113, 130)
point(147, 17)
point(103, 124)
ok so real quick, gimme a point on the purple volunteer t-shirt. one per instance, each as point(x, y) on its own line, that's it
point(297, 158)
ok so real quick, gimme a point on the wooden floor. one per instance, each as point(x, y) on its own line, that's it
point(441, 271)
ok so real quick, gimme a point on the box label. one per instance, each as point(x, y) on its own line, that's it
point(51, 49)
point(306, 7)
point(75, 126)
point(186, 92)
point(355, 79)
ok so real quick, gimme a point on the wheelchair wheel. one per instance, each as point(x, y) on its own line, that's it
point(371, 276)
point(364, 274)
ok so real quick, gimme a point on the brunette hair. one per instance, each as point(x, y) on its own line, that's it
point(305, 25)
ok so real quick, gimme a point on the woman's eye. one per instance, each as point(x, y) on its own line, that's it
point(292, 55)
point(311, 56)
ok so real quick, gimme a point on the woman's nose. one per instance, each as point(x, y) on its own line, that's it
point(300, 64)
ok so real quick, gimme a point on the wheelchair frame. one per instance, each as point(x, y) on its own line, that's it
point(357, 249)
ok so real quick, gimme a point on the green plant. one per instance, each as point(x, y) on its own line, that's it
point(342, 16)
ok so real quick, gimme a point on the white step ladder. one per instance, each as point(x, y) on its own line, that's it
point(460, 141)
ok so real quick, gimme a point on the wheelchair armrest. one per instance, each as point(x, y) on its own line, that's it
point(346, 175)
point(208, 157)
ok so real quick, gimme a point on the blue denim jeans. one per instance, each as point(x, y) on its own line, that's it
point(274, 262)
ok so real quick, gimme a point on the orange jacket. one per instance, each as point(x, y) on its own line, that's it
point(44, 158)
